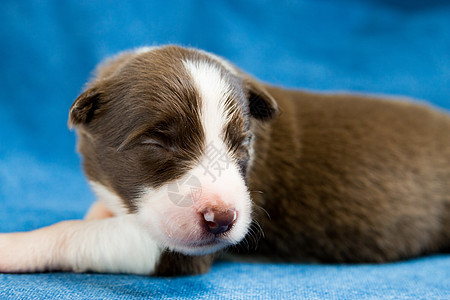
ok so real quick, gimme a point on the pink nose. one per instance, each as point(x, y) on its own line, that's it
point(218, 221)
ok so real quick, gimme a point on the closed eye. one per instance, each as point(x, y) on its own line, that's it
point(153, 142)
point(143, 138)
point(156, 143)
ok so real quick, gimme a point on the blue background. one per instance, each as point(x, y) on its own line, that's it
point(49, 48)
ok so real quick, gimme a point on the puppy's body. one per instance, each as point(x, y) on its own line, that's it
point(352, 179)
point(184, 150)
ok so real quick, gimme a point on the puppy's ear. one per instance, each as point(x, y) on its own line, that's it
point(83, 109)
point(262, 105)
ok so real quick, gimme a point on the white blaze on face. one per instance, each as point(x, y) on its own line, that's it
point(145, 49)
point(227, 65)
point(174, 213)
point(214, 92)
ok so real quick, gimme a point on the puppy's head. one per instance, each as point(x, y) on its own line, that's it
point(165, 133)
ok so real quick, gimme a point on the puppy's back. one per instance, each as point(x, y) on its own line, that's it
point(352, 178)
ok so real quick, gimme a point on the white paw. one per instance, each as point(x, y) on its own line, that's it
point(13, 254)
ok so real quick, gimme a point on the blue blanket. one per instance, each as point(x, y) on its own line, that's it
point(48, 49)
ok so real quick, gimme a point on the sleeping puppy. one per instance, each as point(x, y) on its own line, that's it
point(188, 156)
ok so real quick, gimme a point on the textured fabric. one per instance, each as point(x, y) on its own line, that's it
point(426, 278)
point(48, 49)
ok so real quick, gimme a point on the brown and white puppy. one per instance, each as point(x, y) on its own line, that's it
point(188, 155)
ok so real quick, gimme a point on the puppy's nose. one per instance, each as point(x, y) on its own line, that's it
point(219, 221)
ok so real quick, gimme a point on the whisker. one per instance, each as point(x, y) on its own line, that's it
point(262, 209)
point(259, 192)
point(259, 228)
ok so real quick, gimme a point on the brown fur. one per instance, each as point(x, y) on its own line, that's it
point(352, 179)
point(149, 106)
point(343, 178)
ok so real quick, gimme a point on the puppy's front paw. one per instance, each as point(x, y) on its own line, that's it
point(26, 252)
point(5, 253)
point(13, 254)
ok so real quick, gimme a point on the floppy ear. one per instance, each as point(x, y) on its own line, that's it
point(262, 105)
point(83, 109)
